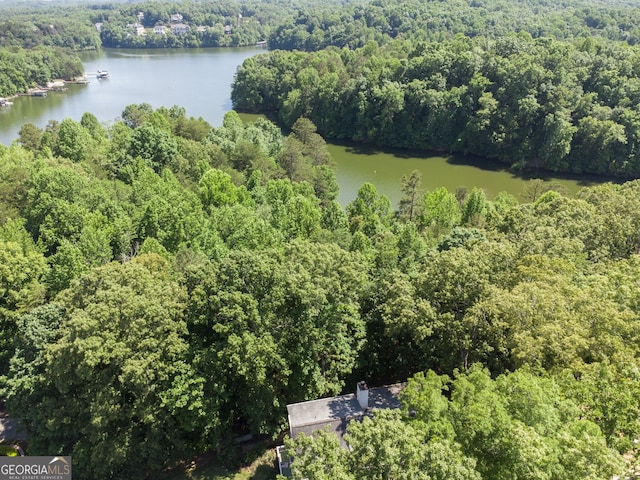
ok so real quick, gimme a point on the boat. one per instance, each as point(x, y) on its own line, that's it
point(102, 74)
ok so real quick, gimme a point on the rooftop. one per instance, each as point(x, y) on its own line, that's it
point(336, 412)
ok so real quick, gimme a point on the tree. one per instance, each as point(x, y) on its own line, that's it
point(165, 210)
point(114, 389)
point(217, 189)
point(91, 124)
point(135, 115)
point(276, 327)
point(408, 207)
point(474, 207)
point(369, 212)
point(73, 141)
point(440, 211)
point(518, 427)
point(318, 457)
point(294, 162)
point(23, 269)
point(400, 325)
point(388, 447)
point(30, 136)
point(153, 145)
point(608, 392)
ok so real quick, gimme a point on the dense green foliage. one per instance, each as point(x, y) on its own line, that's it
point(534, 103)
point(168, 286)
point(472, 427)
point(308, 24)
point(21, 69)
point(210, 24)
point(66, 26)
point(354, 24)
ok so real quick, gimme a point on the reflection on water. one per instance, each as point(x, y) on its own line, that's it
point(200, 81)
point(358, 164)
point(197, 79)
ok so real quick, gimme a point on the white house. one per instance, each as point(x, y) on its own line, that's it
point(180, 28)
point(137, 28)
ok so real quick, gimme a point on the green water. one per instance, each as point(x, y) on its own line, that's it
point(357, 164)
point(385, 169)
point(200, 81)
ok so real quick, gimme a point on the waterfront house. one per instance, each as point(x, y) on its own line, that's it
point(180, 28)
point(137, 29)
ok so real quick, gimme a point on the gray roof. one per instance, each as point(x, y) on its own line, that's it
point(335, 413)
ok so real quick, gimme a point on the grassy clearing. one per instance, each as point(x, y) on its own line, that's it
point(8, 451)
point(259, 465)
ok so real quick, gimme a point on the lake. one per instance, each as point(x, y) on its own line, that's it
point(385, 169)
point(200, 81)
point(197, 79)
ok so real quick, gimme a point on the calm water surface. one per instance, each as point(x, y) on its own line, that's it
point(197, 79)
point(200, 81)
point(385, 170)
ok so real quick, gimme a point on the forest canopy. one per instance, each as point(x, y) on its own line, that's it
point(532, 103)
point(183, 283)
point(168, 286)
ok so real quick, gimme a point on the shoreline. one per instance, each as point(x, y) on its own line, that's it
point(42, 91)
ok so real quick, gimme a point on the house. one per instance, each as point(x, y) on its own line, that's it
point(335, 413)
point(201, 28)
point(175, 18)
point(227, 29)
point(160, 30)
point(57, 85)
point(179, 28)
point(137, 29)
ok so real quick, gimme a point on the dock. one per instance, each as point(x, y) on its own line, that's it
point(56, 86)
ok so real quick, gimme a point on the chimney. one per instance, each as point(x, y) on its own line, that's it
point(362, 393)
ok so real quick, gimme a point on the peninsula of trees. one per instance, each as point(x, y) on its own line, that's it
point(532, 103)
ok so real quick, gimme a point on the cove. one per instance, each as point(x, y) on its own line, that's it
point(199, 80)
point(357, 164)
